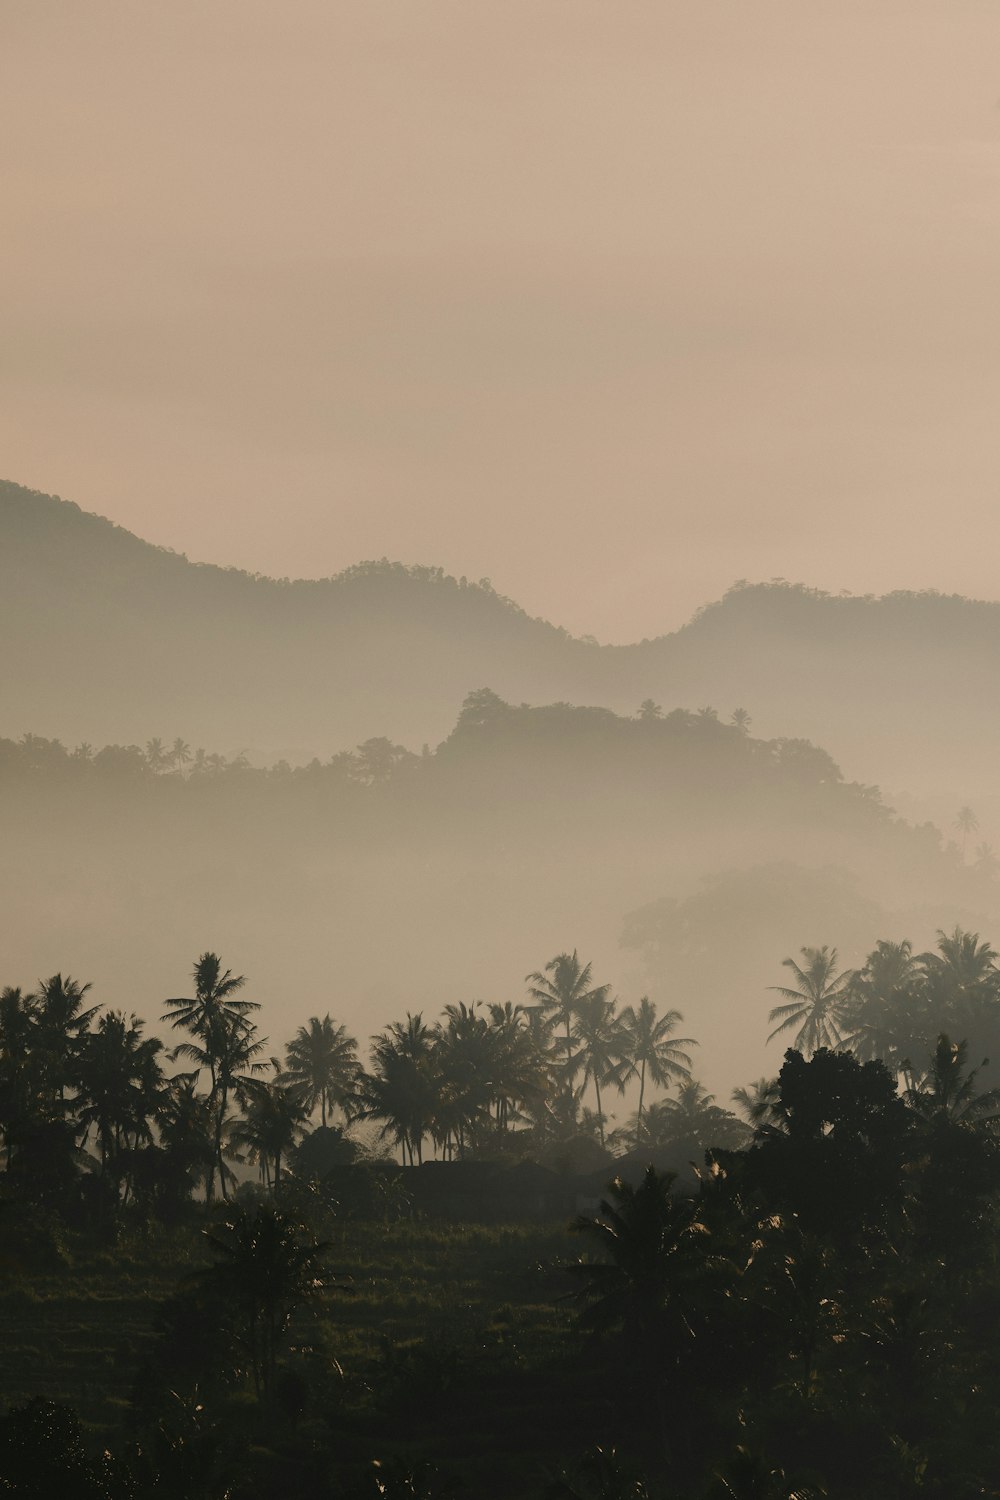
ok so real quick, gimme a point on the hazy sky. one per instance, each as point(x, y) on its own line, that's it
point(613, 303)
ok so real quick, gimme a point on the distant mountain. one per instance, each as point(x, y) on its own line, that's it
point(106, 637)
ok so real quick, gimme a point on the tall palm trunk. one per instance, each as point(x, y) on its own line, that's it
point(642, 1090)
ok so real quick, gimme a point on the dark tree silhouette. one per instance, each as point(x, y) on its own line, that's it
point(322, 1061)
point(267, 1266)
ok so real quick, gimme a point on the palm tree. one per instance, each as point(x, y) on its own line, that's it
point(948, 1091)
point(400, 1089)
point(187, 1134)
point(652, 1049)
point(226, 1039)
point(275, 1115)
point(560, 997)
point(119, 1079)
point(522, 1068)
point(654, 1267)
point(20, 1077)
point(693, 1120)
point(602, 1051)
point(61, 1026)
point(179, 754)
point(884, 1012)
point(966, 822)
point(962, 969)
point(322, 1061)
point(214, 996)
point(758, 1101)
point(741, 720)
point(465, 1069)
point(157, 756)
point(817, 1006)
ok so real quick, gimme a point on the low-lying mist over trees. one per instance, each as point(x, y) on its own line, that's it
point(680, 848)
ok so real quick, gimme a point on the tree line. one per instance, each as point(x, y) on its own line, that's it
point(88, 1097)
point(484, 1080)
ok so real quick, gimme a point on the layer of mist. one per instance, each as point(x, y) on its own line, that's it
point(108, 638)
point(683, 856)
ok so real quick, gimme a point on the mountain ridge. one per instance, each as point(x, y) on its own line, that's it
point(109, 637)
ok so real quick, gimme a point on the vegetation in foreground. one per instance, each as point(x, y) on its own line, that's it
point(811, 1316)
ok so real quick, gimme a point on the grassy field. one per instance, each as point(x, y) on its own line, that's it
point(442, 1341)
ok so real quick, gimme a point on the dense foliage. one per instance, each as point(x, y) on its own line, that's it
point(808, 1316)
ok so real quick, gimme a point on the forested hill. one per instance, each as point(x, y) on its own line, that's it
point(382, 879)
point(106, 637)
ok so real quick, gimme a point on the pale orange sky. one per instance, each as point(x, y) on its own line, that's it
point(612, 303)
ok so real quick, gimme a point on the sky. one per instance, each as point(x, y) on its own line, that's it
point(613, 304)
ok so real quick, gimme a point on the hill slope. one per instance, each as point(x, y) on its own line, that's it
point(107, 637)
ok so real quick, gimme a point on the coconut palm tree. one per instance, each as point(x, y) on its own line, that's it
point(885, 1013)
point(119, 1082)
point(62, 1024)
point(20, 1076)
point(601, 1053)
point(226, 1040)
point(757, 1101)
point(962, 970)
point(653, 1050)
point(400, 1090)
point(948, 1088)
point(322, 1061)
point(561, 989)
point(693, 1120)
point(179, 754)
point(655, 1265)
point(274, 1119)
point(817, 1006)
point(522, 1067)
point(187, 1134)
point(966, 822)
point(214, 994)
point(157, 756)
point(465, 1064)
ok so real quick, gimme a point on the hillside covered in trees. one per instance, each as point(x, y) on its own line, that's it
point(109, 638)
point(386, 879)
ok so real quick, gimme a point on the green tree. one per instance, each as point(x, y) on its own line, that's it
point(119, 1082)
point(272, 1123)
point(522, 1067)
point(817, 1006)
point(692, 1122)
point(966, 822)
point(885, 1010)
point(20, 1078)
point(652, 1049)
point(61, 1024)
point(226, 1042)
point(400, 1088)
point(322, 1061)
point(948, 1088)
point(601, 1052)
point(267, 1266)
point(560, 991)
point(656, 1273)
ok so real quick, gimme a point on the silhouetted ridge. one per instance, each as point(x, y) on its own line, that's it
point(107, 637)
